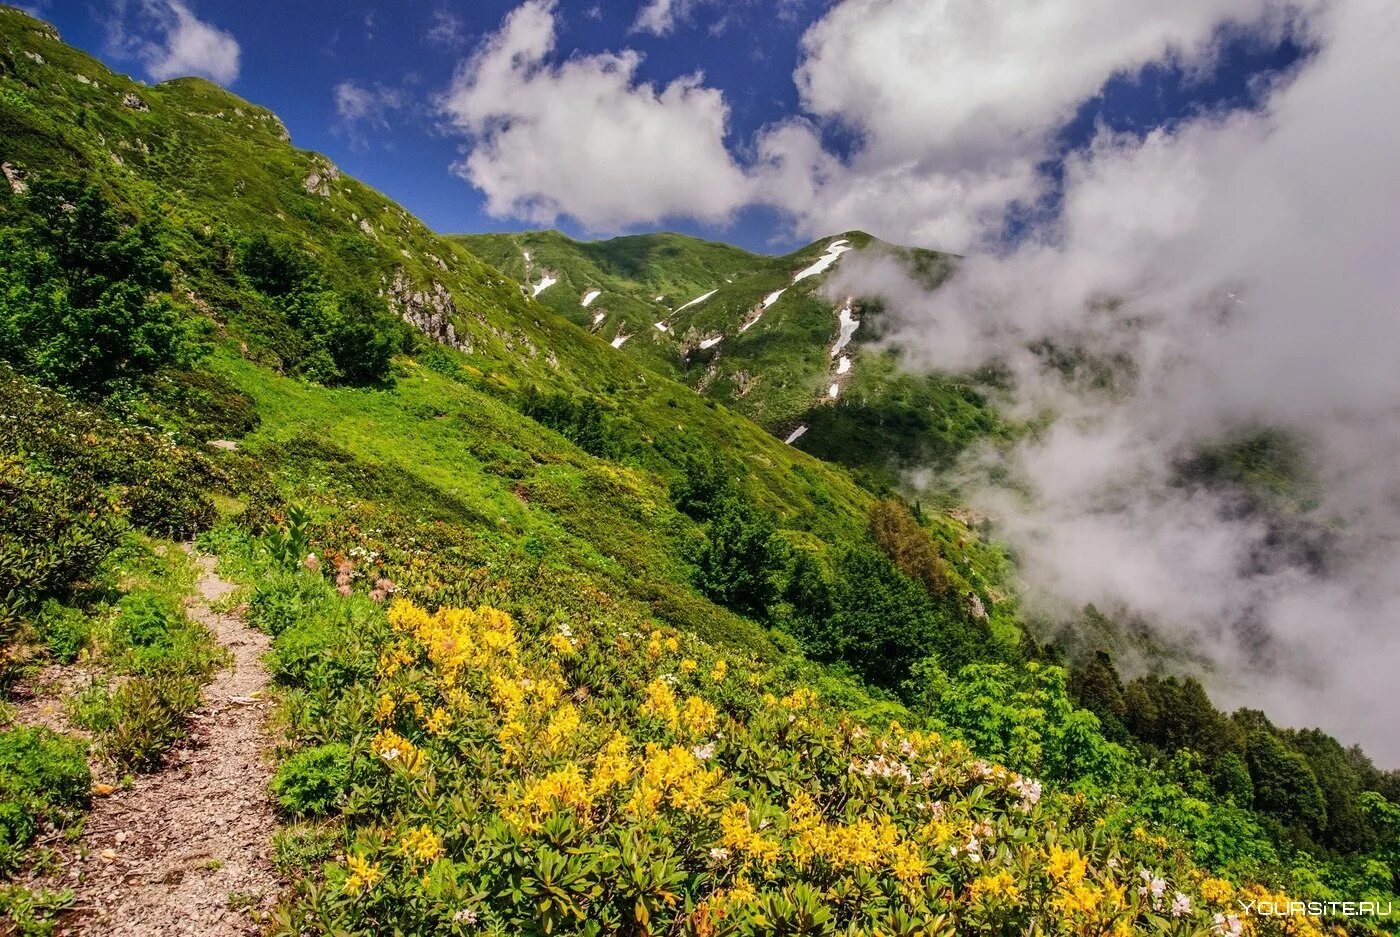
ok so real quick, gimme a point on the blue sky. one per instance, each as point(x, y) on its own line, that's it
point(402, 55)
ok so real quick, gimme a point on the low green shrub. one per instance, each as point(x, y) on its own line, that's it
point(149, 718)
point(44, 776)
point(152, 638)
point(65, 630)
point(311, 782)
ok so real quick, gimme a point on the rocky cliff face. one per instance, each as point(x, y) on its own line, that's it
point(430, 312)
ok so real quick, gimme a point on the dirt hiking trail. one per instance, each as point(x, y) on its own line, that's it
point(187, 850)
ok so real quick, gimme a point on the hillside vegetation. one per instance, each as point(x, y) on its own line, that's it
point(762, 335)
point(561, 645)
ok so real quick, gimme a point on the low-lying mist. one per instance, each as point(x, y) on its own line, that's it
point(1240, 272)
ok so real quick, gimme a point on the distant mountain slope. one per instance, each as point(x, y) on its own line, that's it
point(759, 333)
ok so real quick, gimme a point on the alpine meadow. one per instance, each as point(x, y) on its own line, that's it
point(361, 579)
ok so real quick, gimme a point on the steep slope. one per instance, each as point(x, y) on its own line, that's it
point(220, 168)
point(759, 333)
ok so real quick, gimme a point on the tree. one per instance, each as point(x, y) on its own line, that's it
point(1024, 718)
point(1348, 830)
point(1284, 784)
point(1096, 686)
point(741, 556)
point(1173, 713)
point(908, 545)
point(84, 292)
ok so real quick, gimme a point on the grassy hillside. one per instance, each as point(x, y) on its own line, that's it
point(778, 364)
point(561, 645)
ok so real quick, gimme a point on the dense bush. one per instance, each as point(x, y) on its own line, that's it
point(583, 421)
point(1303, 785)
point(85, 291)
point(157, 484)
point(313, 781)
point(56, 532)
point(577, 776)
point(739, 562)
point(43, 778)
point(342, 336)
point(908, 545)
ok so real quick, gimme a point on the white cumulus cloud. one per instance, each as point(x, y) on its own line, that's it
point(582, 136)
point(173, 42)
point(955, 102)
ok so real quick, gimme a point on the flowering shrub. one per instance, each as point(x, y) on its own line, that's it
point(580, 776)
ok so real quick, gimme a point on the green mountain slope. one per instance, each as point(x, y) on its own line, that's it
point(561, 645)
point(758, 333)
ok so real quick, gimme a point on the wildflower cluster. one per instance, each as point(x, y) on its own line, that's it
point(644, 781)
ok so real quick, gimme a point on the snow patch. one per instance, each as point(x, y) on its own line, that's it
point(590, 296)
point(697, 300)
point(662, 326)
point(796, 434)
point(833, 252)
point(658, 299)
point(711, 342)
point(598, 318)
point(834, 391)
point(543, 285)
point(849, 324)
point(617, 342)
point(763, 307)
point(843, 365)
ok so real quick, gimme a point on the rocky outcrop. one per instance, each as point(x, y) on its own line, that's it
point(132, 100)
point(429, 311)
point(15, 178)
point(318, 180)
point(975, 606)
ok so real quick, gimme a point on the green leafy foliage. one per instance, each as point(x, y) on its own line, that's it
point(345, 337)
point(313, 781)
point(43, 778)
point(85, 291)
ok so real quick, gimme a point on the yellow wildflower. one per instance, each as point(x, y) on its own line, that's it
point(394, 749)
point(405, 617)
point(908, 864)
point(562, 728)
point(543, 797)
point(738, 834)
point(384, 708)
point(1216, 891)
point(364, 874)
point(510, 733)
point(421, 845)
point(613, 767)
point(1000, 886)
point(720, 670)
point(689, 667)
point(1067, 867)
point(439, 721)
point(660, 703)
point(699, 716)
point(799, 699)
